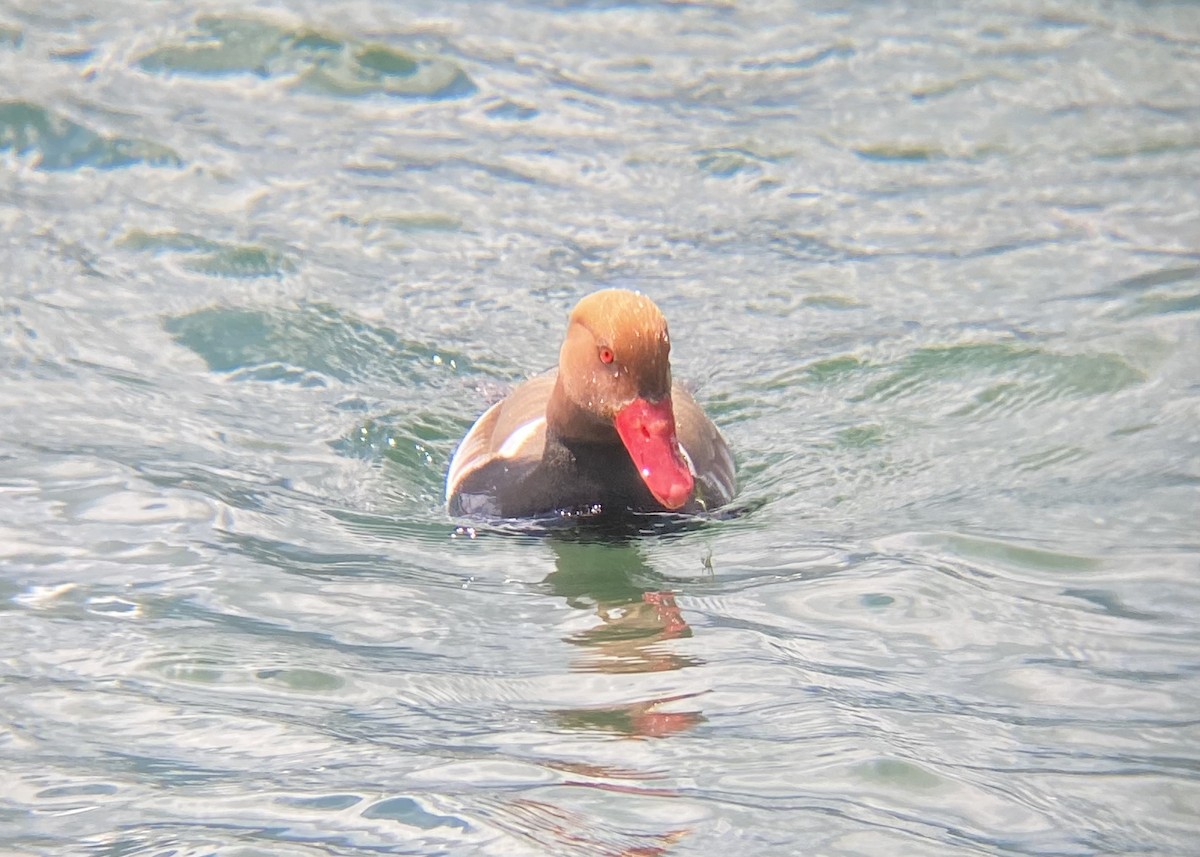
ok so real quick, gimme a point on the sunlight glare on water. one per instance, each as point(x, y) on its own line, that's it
point(934, 271)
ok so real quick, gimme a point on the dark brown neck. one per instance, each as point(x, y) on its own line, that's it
point(570, 423)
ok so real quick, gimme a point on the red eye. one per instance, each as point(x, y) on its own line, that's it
point(606, 354)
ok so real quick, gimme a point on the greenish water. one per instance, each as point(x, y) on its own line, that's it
point(935, 272)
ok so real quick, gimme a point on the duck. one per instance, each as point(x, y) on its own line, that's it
point(607, 432)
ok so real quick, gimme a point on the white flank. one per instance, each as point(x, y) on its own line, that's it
point(687, 459)
point(472, 452)
point(466, 454)
point(513, 443)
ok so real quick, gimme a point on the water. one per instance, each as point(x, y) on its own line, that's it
point(936, 272)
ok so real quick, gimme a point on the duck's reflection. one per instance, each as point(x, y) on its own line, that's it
point(638, 621)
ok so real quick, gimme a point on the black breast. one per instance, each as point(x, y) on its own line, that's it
point(569, 478)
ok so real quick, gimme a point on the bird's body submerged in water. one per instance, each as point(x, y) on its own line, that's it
point(607, 431)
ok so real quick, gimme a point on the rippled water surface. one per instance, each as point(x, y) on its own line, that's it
point(935, 272)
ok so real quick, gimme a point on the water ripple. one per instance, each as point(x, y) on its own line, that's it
point(932, 270)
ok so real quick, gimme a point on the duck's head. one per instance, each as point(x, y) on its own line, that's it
point(615, 371)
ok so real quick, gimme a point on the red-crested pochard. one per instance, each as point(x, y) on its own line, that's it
point(607, 431)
